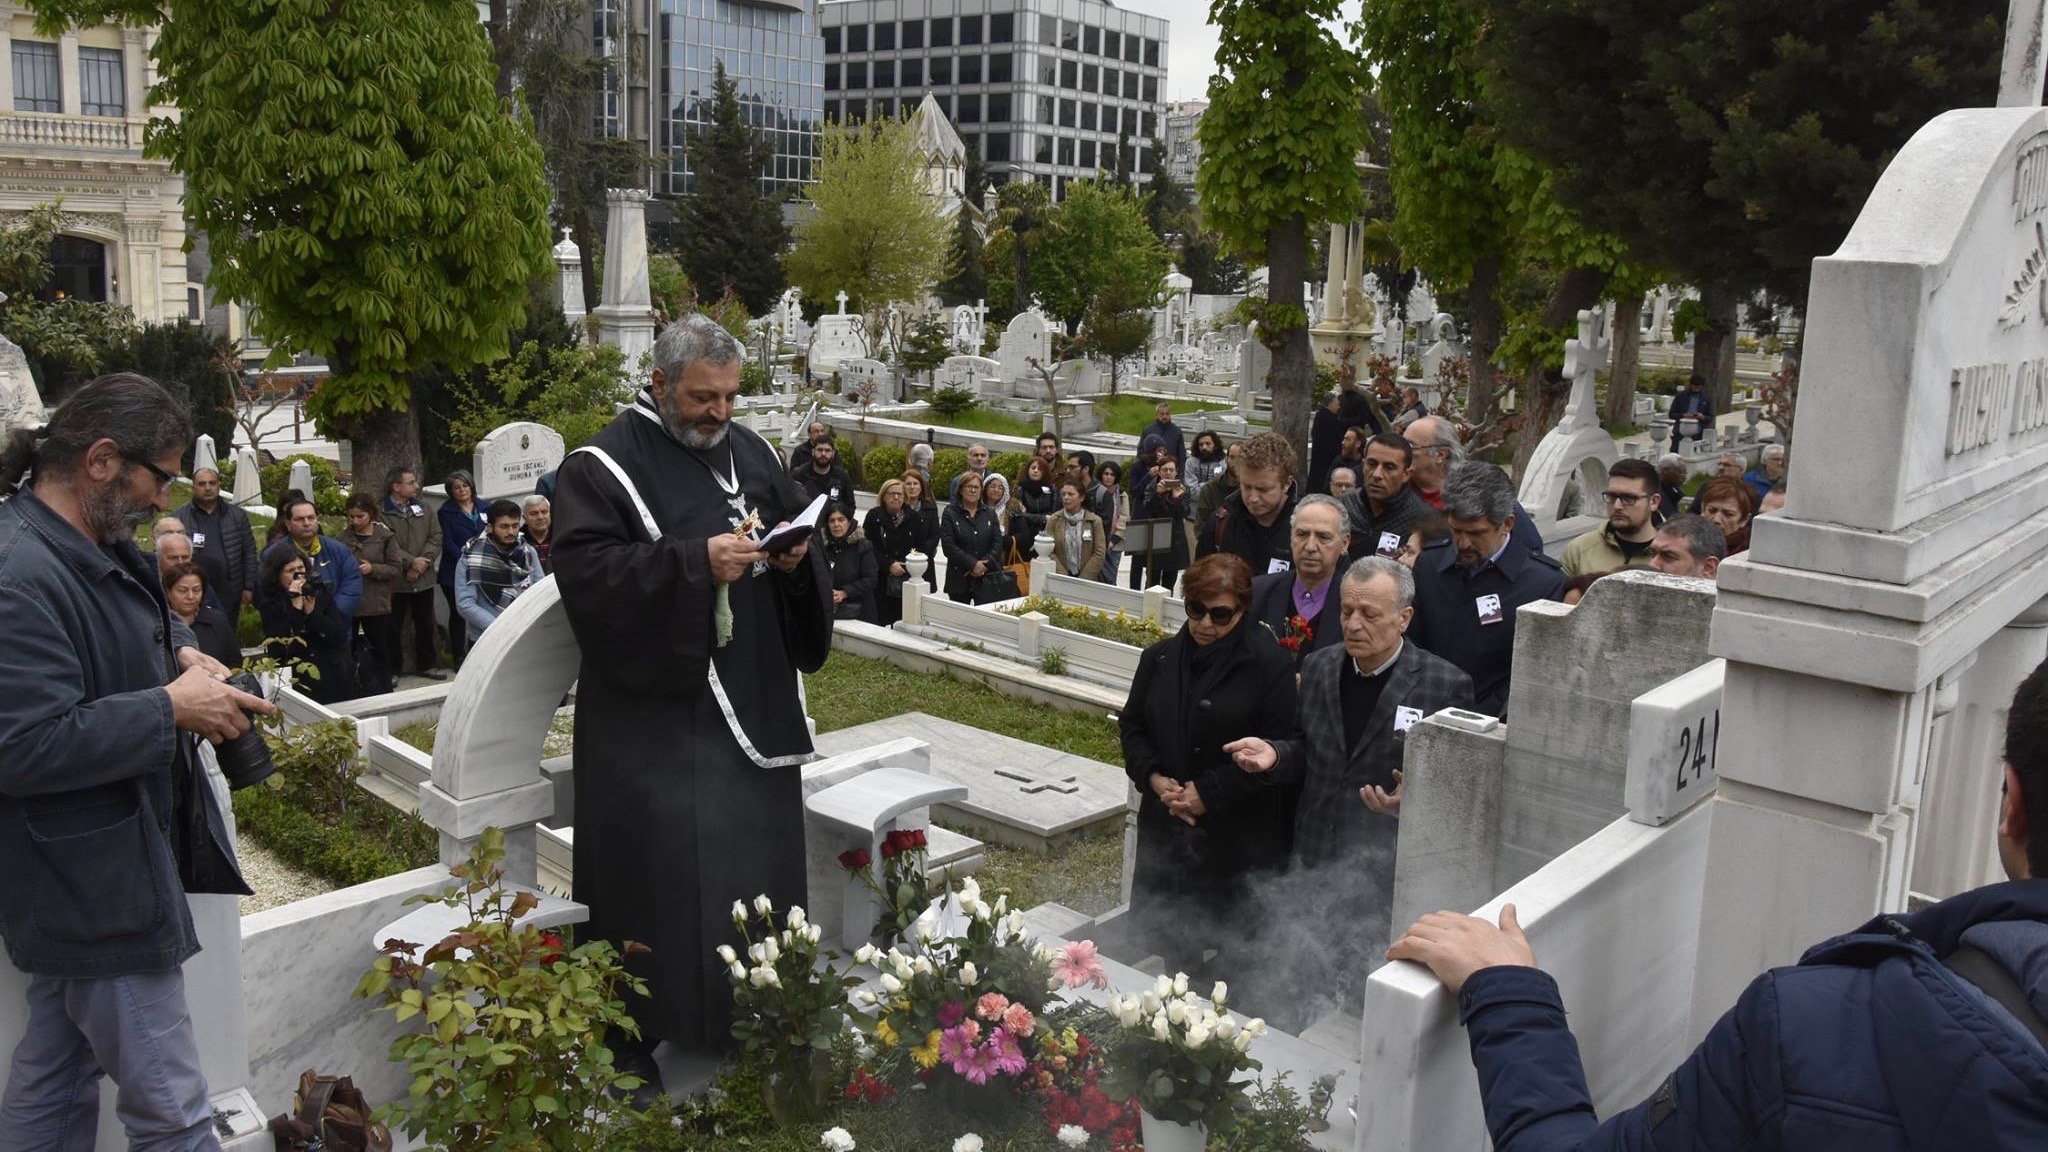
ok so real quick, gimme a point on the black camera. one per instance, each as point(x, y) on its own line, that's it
point(245, 760)
point(312, 586)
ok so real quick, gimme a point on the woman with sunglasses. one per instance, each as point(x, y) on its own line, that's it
point(1207, 830)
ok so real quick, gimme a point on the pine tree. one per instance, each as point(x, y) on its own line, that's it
point(732, 231)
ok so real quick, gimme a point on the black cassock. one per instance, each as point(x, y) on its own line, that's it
point(687, 792)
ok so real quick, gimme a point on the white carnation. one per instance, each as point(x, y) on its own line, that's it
point(1073, 1136)
point(967, 1143)
point(836, 1140)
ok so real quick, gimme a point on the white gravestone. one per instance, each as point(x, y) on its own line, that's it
point(1674, 733)
point(248, 478)
point(1578, 447)
point(301, 479)
point(513, 457)
point(569, 278)
point(203, 456)
point(625, 317)
point(1027, 338)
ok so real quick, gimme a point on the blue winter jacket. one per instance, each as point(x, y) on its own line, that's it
point(1870, 1044)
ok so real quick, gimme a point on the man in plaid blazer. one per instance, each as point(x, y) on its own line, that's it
point(1357, 705)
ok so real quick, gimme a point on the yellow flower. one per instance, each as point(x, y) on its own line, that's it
point(885, 1034)
point(927, 1056)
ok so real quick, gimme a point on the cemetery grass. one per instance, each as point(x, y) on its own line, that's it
point(980, 419)
point(1128, 415)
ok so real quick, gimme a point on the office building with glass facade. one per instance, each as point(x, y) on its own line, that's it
point(662, 56)
point(1041, 89)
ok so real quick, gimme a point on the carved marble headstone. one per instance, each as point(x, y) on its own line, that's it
point(1027, 338)
point(248, 478)
point(203, 456)
point(509, 460)
point(301, 478)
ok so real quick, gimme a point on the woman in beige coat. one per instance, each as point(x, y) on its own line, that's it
point(1079, 543)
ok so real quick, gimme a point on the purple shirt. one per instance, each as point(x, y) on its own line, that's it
point(1308, 602)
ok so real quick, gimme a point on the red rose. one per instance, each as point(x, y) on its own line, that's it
point(913, 839)
point(854, 859)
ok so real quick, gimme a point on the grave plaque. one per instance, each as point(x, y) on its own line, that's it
point(1674, 732)
point(513, 457)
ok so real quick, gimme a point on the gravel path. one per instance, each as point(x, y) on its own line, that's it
point(275, 881)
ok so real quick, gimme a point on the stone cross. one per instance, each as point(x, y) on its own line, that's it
point(2026, 26)
point(842, 301)
point(1583, 358)
point(1031, 785)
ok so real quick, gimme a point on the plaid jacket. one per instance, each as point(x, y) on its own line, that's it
point(1332, 823)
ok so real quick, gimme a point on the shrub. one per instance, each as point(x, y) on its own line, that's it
point(952, 402)
point(313, 814)
point(847, 456)
point(946, 464)
point(883, 464)
point(1008, 464)
point(327, 495)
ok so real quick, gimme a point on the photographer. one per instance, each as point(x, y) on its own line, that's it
point(304, 628)
point(96, 751)
point(1165, 499)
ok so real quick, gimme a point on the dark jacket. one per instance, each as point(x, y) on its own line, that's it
point(1447, 620)
point(894, 540)
point(1159, 506)
point(224, 543)
point(88, 751)
point(387, 563)
point(1332, 826)
point(417, 533)
point(968, 539)
point(1176, 723)
point(1029, 508)
point(1273, 604)
point(545, 549)
point(852, 561)
point(1327, 428)
point(458, 528)
point(1105, 504)
point(335, 566)
point(1386, 533)
point(1870, 1044)
point(1233, 530)
point(1691, 403)
point(217, 635)
point(835, 484)
point(323, 641)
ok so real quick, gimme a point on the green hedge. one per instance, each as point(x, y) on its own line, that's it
point(376, 841)
point(1009, 464)
point(850, 458)
point(883, 464)
point(946, 464)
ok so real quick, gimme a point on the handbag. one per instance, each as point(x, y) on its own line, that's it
point(329, 1114)
point(1000, 584)
point(1019, 569)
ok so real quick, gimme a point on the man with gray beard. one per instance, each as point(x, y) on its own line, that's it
point(690, 717)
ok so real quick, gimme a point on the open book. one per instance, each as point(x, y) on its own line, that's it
point(799, 529)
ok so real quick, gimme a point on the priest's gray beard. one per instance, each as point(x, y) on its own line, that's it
point(700, 441)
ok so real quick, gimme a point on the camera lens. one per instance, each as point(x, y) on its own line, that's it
point(245, 760)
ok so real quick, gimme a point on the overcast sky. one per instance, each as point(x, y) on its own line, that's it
point(1191, 50)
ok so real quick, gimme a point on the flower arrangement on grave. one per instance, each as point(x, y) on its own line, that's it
point(1299, 633)
point(506, 1046)
point(788, 1006)
point(900, 884)
point(1180, 1057)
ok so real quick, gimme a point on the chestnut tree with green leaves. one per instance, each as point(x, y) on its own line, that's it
point(359, 182)
point(1279, 148)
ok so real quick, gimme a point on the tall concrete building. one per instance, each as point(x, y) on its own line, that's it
point(72, 112)
point(1182, 146)
point(661, 58)
point(1041, 89)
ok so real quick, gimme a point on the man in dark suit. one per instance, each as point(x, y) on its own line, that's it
point(1468, 588)
point(1387, 509)
point(1358, 702)
point(1320, 540)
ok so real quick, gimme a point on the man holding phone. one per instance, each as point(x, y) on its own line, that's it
point(690, 717)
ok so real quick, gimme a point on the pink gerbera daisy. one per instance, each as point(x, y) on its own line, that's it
point(1078, 964)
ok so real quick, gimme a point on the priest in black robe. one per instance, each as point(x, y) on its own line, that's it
point(688, 795)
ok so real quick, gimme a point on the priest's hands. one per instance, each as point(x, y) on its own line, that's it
point(1252, 754)
point(731, 556)
point(787, 560)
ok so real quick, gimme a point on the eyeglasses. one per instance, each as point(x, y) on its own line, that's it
point(1219, 616)
point(1625, 499)
point(163, 478)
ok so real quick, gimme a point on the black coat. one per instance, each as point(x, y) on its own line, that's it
point(1028, 516)
point(323, 637)
point(835, 484)
point(1232, 529)
point(852, 561)
point(217, 635)
point(1175, 509)
point(966, 540)
point(1447, 620)
point(1178, 727)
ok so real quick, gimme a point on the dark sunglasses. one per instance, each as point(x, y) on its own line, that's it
point(1217, 616)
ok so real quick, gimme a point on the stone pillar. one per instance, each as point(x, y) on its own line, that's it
point(134, 77)
point(1955, 849)
point(625, 317)
point(1335, 278)
point(2019, 82)
point(142, 283)
point(1354, 281)
point(7, 73)
point(68, 101)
